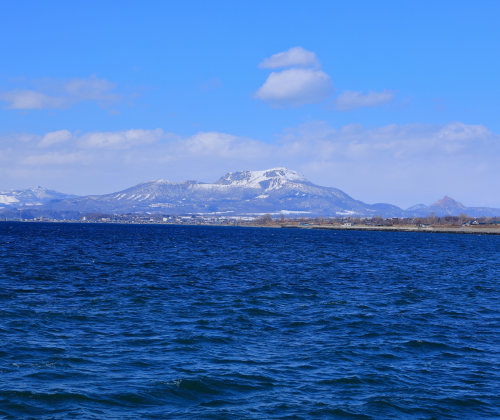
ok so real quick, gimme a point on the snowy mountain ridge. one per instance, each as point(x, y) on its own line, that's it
point(243, 192)
point(271, 190)
point(30, 197)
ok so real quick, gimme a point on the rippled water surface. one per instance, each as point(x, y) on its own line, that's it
point(160, 322)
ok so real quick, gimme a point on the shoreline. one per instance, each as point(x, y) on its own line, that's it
point(456, 231)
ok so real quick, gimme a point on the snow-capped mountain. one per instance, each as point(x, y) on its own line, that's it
point(30, 197)
point(272, 190)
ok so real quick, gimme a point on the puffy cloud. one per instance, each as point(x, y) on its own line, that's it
point(22, 137)
point(29, 99)
point(350, 99)
point(55, 137)
point(91, 88)
point(219, 145)
point(120, 139)
point(296, 87)
point(408, 142)
point(296, 56)
point(61, 94)
point(304, 83)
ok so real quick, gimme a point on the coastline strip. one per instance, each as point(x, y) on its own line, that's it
point(461, 231)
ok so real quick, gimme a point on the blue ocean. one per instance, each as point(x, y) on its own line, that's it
point(190, 322)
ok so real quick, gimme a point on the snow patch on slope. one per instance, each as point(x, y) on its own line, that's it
point(270, 179)
point(6, 199)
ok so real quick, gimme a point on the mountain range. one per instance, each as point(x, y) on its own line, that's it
point(274, 190)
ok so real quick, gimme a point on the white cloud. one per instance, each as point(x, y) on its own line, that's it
point(22, 137)
point(296, 87)
point(55, 137)
point(62, 94)
point(214, 144)
point(29, 99)
point(396, 142)
point(91, 88)
point(51, 159)
point(120, 139)
point(296, 56)
point(350, 99)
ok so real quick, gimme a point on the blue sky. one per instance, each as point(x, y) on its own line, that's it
point(388, 101)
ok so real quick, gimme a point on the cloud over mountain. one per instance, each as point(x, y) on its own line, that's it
point(400, 164)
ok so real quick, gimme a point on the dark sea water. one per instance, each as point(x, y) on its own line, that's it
point(172, 322)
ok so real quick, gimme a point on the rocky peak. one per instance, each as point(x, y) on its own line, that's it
point(447, 202)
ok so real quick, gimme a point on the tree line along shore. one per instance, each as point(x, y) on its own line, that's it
point(432, 221)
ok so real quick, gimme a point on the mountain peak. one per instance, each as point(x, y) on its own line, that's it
point(268, 179)
point(447, 202)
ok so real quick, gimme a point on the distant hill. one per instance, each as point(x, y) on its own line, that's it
point(449, 206)
point(417, 207)
point(446, 204)
point(30, 197)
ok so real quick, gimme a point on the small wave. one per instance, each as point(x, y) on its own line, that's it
point(260, 312)
point(48, 397)
point(49, 376)
point(297, 324)
point(352, 380)
point(426, 344)
point(202, 338)
point(215, 403)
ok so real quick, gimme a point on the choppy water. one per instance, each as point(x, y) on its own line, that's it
point(160, 322)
